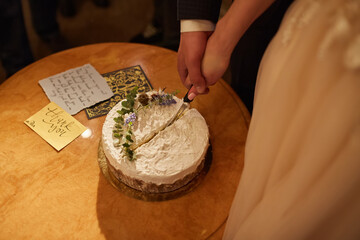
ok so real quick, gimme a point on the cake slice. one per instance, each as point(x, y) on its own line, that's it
point(153, 119)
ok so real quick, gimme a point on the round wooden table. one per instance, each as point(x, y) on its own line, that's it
point(45, 194)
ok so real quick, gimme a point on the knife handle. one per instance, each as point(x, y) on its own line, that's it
point(186, 99)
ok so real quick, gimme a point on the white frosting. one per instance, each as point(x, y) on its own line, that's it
point(152, 120)
point(172, 154)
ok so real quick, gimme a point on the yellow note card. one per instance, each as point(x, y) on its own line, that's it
point(55, 125)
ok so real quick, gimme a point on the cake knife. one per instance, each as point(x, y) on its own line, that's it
point(184, 106)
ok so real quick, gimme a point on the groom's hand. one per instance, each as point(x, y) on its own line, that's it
point(190, 55)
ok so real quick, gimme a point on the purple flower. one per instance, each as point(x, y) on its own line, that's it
point(130, 118)
point(166, 100)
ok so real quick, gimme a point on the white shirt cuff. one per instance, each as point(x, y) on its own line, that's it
point(196, 25)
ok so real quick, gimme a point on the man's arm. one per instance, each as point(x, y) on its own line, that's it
point(199, 9)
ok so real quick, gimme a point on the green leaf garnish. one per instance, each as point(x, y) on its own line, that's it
point(126, 145)
point(117, 135)
point(125, 104)
point(128, 137)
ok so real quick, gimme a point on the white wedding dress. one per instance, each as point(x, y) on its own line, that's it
point(301, 177)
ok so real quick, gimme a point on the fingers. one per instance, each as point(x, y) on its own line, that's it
point(196, 78)
point(181, 66)
point(188, 82)
point(194, 59)
point(193, 93)
point(183, 72)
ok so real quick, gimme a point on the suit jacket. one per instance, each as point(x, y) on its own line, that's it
point(199, 9)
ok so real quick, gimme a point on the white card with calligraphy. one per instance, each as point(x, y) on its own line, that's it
point(77, 88)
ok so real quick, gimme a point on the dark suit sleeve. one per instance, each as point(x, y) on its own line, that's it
point(199, 9)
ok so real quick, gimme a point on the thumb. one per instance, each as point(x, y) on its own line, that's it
point(193, 93)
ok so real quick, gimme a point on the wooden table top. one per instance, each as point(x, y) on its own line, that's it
point(45, 194)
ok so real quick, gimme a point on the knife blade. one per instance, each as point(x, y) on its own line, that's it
point(184, 106)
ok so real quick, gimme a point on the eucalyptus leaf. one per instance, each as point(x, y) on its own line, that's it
point(128, 137)
point(125, 104)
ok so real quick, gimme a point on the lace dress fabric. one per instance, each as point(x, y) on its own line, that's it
point(302, 158)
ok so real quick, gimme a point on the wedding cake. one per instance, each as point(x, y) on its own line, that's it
point(147, 153)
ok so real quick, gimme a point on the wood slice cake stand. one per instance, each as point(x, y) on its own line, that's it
point(47, 194)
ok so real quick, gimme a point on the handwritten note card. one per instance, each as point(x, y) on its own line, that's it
point(55, 125)
point(77, 88)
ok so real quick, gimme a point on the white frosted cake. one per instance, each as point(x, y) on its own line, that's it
point(144, 152)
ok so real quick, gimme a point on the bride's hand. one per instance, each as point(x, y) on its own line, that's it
point(215, 61)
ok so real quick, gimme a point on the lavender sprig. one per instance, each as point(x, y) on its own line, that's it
point(130, 119)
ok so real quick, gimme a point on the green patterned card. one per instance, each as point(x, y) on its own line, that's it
point(121, 82)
